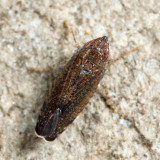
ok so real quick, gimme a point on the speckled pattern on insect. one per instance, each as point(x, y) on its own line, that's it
point(73, 88)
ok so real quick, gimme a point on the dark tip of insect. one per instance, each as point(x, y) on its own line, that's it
point(50, 139)
point(105, 38)
point(99, 42)
point(103, 44)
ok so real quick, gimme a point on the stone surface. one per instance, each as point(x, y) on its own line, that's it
point(33, 37)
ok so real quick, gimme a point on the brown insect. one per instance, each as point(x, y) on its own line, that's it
point(73, 88)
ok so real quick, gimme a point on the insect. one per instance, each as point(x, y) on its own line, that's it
point(73, 88)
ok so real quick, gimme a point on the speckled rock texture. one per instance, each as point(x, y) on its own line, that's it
point(34, 37)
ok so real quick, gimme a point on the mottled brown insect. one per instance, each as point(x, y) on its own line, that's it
point(73, 88)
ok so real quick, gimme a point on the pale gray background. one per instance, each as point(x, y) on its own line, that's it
point(33, 35)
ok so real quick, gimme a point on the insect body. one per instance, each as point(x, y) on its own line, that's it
point(73, 88)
